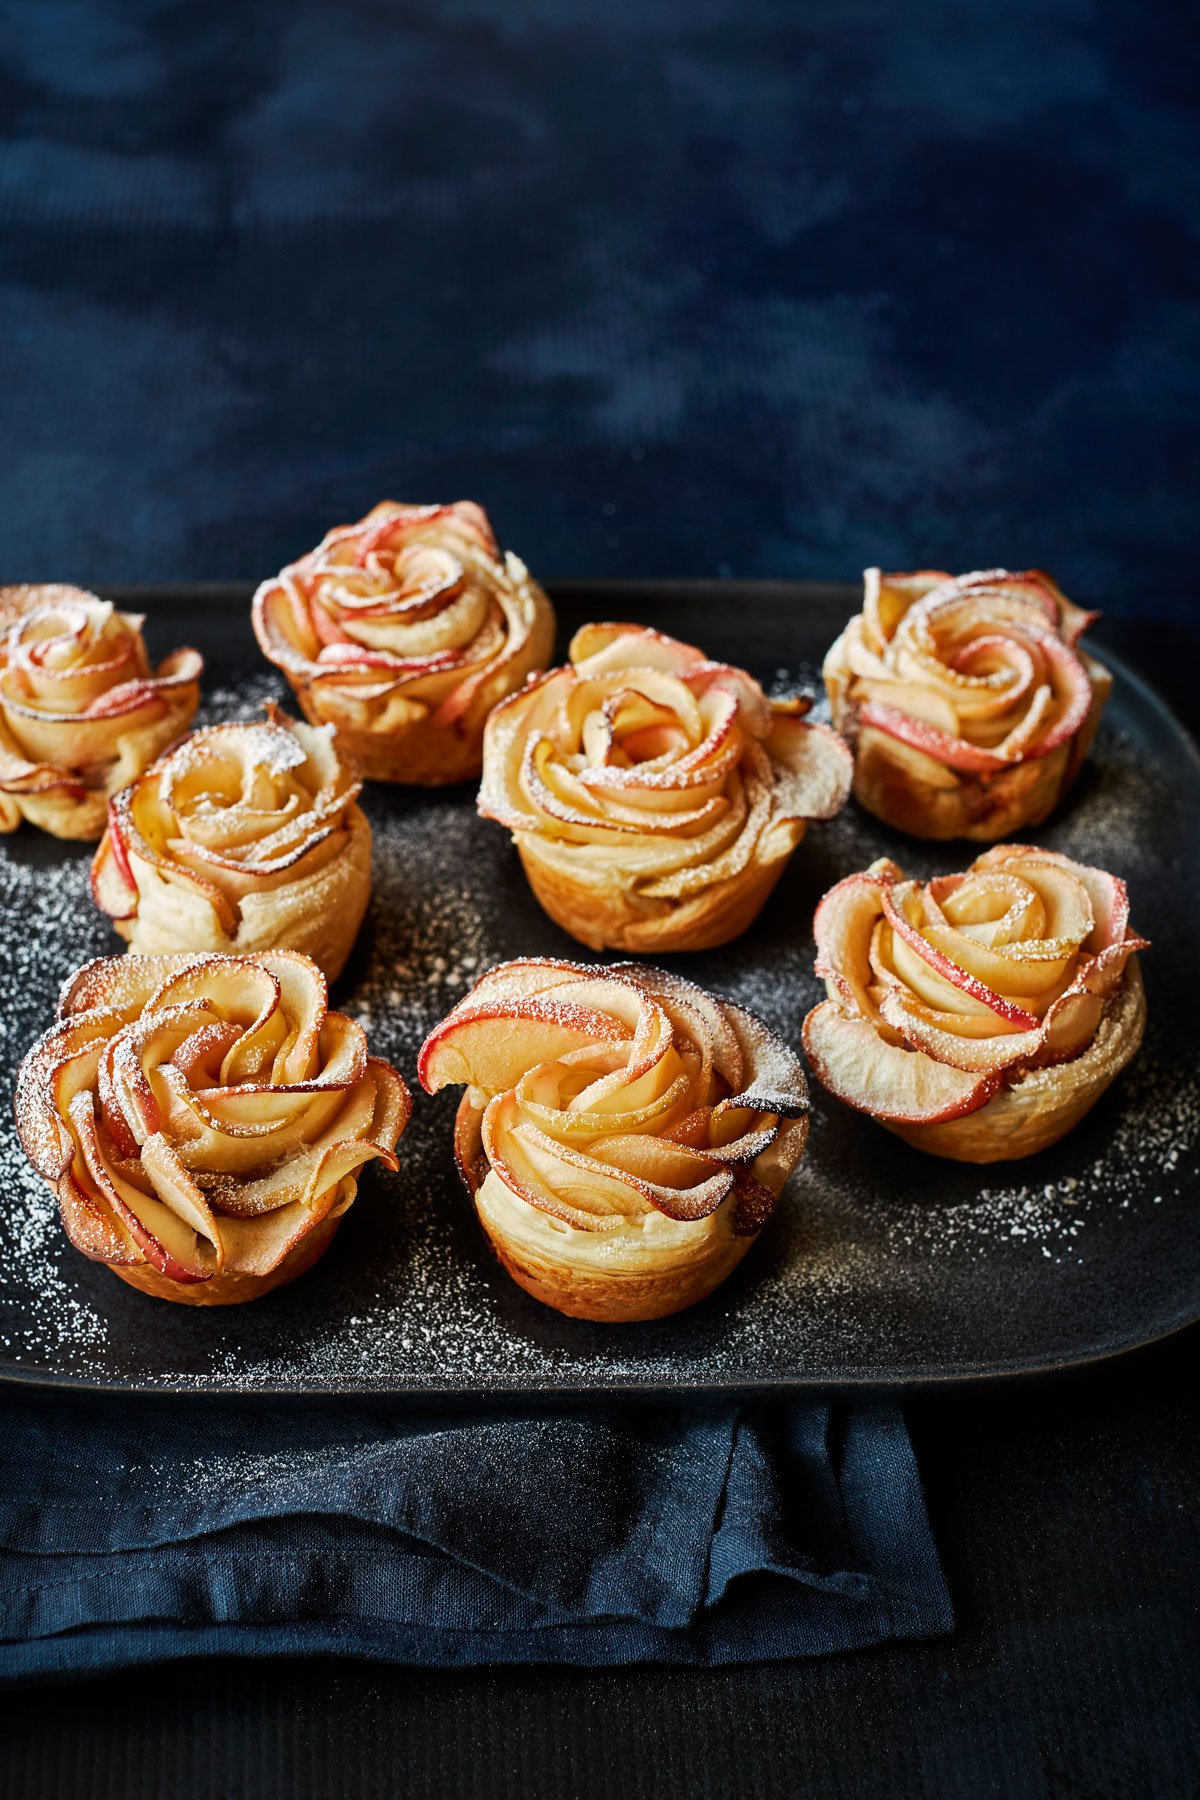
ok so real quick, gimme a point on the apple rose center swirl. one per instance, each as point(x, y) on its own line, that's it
point(245, 837)
point(81, 710)
point(944, 994)
point(200, 1117)
point(402, 631)
point(655, 795)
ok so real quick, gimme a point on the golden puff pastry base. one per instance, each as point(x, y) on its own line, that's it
point(1045, 1103)
point(318, 915)
point(605, 1297)
point(612, 916)
point(237, 1286)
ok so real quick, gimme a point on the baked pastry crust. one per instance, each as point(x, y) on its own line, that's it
point(967, 699)
point(81, 711)
point(402, 632)
point(203, 1119)
point(981, 1016)
point(245, 837)
point(655, 796)
point(624, 1135)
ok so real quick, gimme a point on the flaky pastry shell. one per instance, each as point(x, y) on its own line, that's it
point(245, 837)
point(624, 1136)
point(203, 1120)
point(655, 796)
point(402, 632)
point(81, 711)
point(968, 700)
point(979, 1016)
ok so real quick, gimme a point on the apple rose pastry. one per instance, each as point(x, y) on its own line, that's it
point(967, 699)
point(203, 1119)
point(246, 837)
point(81, 711)
point(402, 632)
point(981, 1015)
point(655, 796)
point(624, 1135)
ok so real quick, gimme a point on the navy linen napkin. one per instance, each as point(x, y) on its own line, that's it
point(131, 1534)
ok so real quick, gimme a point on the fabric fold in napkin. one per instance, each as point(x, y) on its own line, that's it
point(139, 1532)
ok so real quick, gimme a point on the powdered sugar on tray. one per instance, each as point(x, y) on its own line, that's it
point(245, 699)
point(876, 1252)
point(54, 927)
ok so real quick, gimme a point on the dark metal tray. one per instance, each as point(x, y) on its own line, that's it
point(883, 1271)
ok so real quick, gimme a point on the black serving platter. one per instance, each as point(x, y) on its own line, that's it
point(884, 1271)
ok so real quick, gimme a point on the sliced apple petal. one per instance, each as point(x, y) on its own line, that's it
point(842, 926)
point(934, 1033)
point(491, 1047)
point(1073, 692)
point(1108, 893)
point(943, 966)
point(954, 752)
point(595, 649)
point(860, 1067)
point(1071, 1024)
point(814, 768)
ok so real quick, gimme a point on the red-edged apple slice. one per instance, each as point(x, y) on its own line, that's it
point(1072, 691)
point(695, 1014)
point(120, 984)
point(168, 1243)
point(906, 1086)
point(130, 696)
point(1071, 1024)
point(925, 1029)
point(404, 519)
point(1030, 585)
point(886, 599)
point(843, 924)
point(613, 645)
point(774, 1080)
point(91, 1226)
point(1108, 893)
point(553, 1177)
point(894, 908)
point(520, 979)
point(327, 628)
point(954, 752)
point(111, 878)
point(814, 768)
point(492, 1047)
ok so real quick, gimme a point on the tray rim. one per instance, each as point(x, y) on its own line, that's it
point(28, 1379)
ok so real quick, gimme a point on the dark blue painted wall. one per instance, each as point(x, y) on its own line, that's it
point(680, 286)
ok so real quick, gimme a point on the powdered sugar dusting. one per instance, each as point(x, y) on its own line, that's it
point(878, 1257)
point(245, 698)
point(52, 928)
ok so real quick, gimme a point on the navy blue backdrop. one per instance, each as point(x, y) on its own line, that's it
point(680, 286)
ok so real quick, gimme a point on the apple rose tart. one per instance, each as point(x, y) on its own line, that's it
point(655, 796)
point(624, 1135)
point(981, 1015)
point(203, 1120)
point(81, 711)
point(246, 837)
point(967, 699)
point(402, 632)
